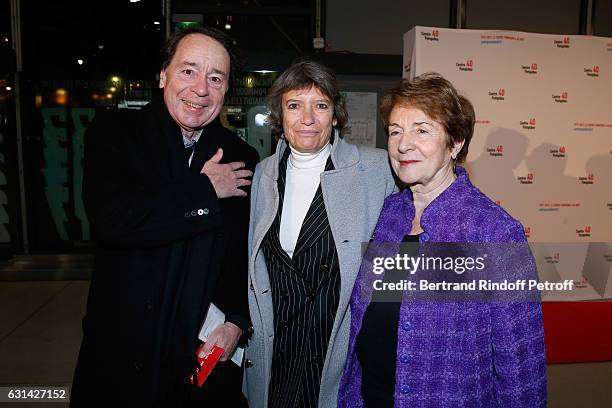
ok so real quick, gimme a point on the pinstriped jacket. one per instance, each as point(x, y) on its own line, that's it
point(305, 291)
point(353, 194)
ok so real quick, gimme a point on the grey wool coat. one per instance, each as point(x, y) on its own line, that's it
point(353, 194)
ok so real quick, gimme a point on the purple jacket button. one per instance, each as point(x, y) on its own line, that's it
point(424, 236)
point(404, 389)
point(404, 358)
point(406, 326)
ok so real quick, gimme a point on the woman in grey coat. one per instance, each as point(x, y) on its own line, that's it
point(314, 202)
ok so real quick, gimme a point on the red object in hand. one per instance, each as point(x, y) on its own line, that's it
point(207, 363)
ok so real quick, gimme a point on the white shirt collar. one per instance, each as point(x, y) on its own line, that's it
point(304, 161)
point(187, 142)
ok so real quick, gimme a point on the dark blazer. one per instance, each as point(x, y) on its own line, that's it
point(167, 247)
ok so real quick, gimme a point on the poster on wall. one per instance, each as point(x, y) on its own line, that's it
point(362, 117)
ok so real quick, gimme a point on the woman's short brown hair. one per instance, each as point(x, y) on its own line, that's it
point(303, 75)
point(438, 98)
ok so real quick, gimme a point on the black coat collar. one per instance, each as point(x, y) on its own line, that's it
point(170, 136)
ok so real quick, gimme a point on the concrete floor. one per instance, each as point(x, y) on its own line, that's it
point(40, 332)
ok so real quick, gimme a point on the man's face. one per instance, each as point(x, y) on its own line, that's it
point(195, 82)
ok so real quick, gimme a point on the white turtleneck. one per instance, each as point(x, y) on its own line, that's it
point(302, 181)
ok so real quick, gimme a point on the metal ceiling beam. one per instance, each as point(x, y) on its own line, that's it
point(586, 17)
point(188, 7)
point(16, 34)
point(457, 13)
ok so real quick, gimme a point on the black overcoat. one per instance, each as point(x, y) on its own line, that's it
point(167, 247)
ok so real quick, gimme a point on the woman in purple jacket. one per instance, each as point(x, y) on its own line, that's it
point(440, 354)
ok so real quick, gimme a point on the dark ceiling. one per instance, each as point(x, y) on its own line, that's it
point(124, 37)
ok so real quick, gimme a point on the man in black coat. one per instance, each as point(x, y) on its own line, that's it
point(165, 189)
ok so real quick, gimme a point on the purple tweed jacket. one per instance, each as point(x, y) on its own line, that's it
point(455, 354)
